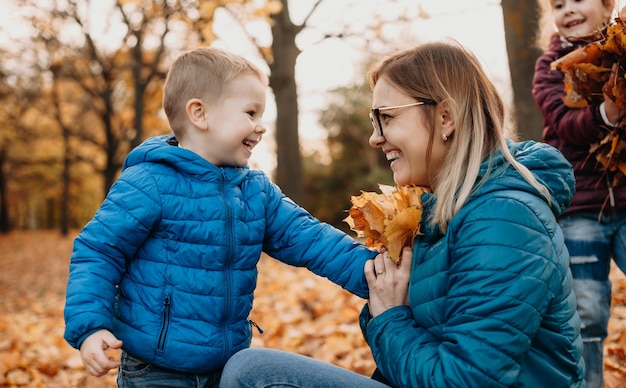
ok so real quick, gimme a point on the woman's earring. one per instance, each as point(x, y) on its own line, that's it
point(444, 137)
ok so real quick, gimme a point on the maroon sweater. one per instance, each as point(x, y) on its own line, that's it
point(572, 131)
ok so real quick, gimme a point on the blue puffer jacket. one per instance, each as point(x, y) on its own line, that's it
point(491, 302)
point(168, 263)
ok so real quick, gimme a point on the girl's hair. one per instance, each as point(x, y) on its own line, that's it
point(446, 73)
point(203, 73)
point(545, 25)
point(546, 28)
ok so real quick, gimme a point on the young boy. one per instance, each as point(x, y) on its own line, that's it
point(166, 269)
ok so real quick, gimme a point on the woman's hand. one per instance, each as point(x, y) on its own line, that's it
point(388, 282)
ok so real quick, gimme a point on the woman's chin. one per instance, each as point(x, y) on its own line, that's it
point(399, 180)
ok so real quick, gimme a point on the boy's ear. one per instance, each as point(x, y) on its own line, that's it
point(197, 114)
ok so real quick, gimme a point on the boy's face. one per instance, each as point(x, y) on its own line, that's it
point(234, 122)
point(577, 18)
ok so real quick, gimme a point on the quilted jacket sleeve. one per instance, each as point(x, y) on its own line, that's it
point(113, 235)
point(485, 305)
point(295, 237)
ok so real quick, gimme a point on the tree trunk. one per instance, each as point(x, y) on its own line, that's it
point(66, 182)
point(520, 26)
point(4, 209)
point(111, 148)
point(283, 84)
point(140, 88)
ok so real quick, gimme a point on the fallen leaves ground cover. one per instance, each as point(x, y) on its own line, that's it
point(298, 312)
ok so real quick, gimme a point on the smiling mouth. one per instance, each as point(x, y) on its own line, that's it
point(250, 144)
point(574, 23)
point(392, 157)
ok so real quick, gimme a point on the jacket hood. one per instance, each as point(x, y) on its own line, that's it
point(164, 149)
point(545, 162)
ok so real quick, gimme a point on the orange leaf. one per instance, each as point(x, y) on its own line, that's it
point(588, 79)
point(390, 218)
point(401, 229)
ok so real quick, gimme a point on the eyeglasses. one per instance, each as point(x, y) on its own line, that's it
point(375, 115)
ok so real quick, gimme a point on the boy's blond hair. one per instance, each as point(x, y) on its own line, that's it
point(203, 73)
point(546, 28)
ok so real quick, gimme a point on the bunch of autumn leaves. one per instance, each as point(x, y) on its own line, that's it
point(587, 71)
point(391, 218)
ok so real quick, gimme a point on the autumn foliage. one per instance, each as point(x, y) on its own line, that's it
point(390, 218)
point(589, 76)
point(297, 310)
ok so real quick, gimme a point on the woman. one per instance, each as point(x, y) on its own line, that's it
point(484, 297)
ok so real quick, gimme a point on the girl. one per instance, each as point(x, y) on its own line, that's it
point(593, 225)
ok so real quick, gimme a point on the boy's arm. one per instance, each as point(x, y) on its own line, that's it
point(110, 238)
point(295, 237)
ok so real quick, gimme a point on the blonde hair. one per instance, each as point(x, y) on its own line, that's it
point(446, 73)
point(203, 73)
point(546, 28)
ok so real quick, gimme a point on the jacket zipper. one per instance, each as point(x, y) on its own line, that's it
point(227, 264)
point(166, 323)
point(252, 323)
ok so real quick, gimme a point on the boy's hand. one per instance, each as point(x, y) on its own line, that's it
point(93, 352)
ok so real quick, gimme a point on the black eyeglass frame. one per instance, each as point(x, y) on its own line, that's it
point(375, 114)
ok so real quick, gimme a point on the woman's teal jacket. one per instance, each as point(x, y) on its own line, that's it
point(168, 262)
point(491, 301)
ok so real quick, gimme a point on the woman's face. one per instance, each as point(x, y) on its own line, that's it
point(405, 136)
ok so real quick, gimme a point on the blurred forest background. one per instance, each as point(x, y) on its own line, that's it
point(80, 85)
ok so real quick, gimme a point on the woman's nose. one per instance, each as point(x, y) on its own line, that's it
point(376, 140)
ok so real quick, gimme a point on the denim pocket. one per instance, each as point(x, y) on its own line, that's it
point(133, 367)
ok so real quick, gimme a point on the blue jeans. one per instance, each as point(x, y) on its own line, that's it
point(134, 373)
point(591, 245)
point(264, 368)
